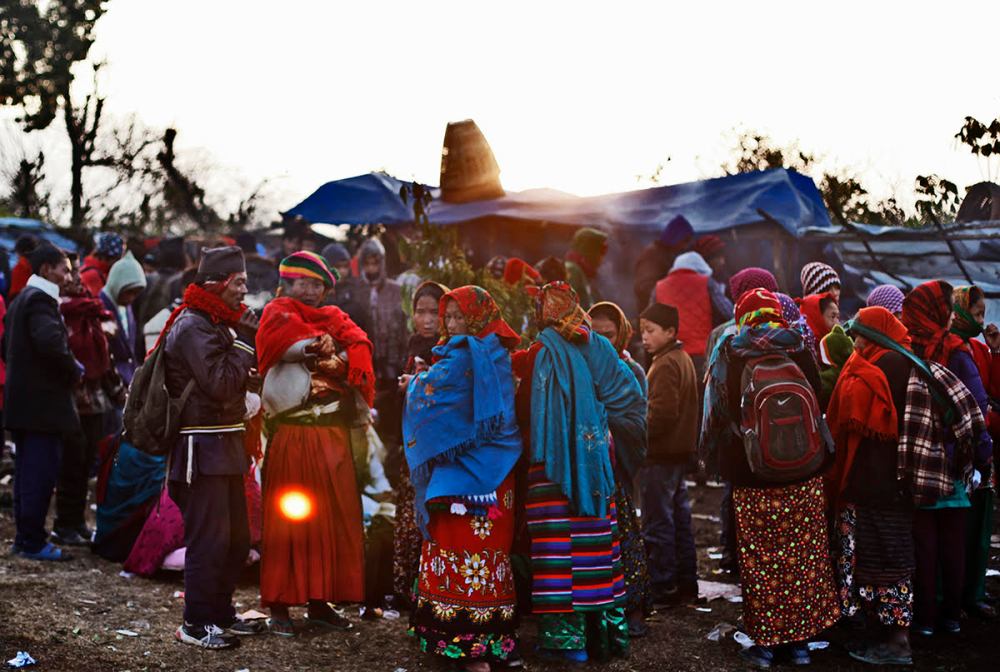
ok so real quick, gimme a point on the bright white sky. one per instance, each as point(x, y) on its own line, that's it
point(576, 96)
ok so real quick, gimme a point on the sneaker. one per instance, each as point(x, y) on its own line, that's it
point(69, 537)
point(207, 637)
point(922, 630)
point(951, 627)
point(760, 657)
point(241, 628)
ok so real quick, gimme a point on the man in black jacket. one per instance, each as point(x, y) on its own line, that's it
point(210, 343)
point(38, 397)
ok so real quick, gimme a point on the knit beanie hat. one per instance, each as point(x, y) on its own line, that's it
point(221, 261)
point(889, 297)
point(676, 231)
point(836, 347)
point(109, 244)
point(335, 253)
point(751, 278)
point(662, 314)
point(307, 265)
point(817, 278)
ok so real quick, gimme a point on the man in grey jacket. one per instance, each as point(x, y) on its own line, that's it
point(210, 343)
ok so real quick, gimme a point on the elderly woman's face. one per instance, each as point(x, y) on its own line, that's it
point(309, 291)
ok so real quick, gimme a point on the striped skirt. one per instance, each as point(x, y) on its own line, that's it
point(576, 562)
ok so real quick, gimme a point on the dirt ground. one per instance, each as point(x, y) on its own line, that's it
point(66, 616)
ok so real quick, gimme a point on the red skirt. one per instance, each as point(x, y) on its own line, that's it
point(321, 556)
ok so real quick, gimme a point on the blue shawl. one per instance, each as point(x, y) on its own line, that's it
point(459, 425)
point(578, 391)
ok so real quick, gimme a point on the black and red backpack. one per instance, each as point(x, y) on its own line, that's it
point(784, 434)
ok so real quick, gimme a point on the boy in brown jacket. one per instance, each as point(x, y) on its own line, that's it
point(672, 419)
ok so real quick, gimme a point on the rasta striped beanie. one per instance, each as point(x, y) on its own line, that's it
point(308, 265)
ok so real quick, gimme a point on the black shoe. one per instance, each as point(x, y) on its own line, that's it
point(951, 627)
point(241, 628)
point(687, 591)
point(207, 637)
point(667, 596)
point(69, 537)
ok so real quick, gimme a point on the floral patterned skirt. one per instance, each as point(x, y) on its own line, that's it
point(788, 587)
point(638, 592)
point(465, 598)
point(892, 602)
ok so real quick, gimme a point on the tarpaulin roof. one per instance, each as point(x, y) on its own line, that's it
point(12, 228)
point(784, 196)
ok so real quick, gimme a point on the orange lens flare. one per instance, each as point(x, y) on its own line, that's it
point(295, 505)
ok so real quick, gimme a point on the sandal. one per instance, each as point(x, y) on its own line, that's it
point(881, 654)
point(281, 627)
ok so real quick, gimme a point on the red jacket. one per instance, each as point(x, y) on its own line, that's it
point(18, 277)
point(687, 291)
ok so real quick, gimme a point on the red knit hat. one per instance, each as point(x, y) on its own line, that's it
point(709, 246)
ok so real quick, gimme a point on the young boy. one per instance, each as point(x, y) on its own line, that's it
point(672, 420)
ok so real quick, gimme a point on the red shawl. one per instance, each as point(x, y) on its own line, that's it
point(83, 316)
point(926, 314)
point(861, 405)
point(287, 321)
point(211, 304)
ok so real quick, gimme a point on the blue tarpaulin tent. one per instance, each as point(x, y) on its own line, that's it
point(782, 196)
point(12, 228)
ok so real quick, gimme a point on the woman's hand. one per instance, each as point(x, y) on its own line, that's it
point(323, 347)
point(404, 381)
point(992, 335)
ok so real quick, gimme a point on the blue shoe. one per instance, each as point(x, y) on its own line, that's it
point(760, 657)
point(798, 655)
point(49, 553)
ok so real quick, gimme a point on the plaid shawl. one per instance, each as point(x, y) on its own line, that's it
point(922, 461)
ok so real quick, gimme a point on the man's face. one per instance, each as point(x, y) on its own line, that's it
point(343, 269)
point(372, 266)
point(235, 291)
point(291, 245)
point(60, 273)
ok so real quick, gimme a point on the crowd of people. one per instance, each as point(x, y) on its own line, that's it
point(435, 457)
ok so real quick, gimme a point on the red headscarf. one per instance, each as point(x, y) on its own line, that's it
point(557, 306)
point(517, 270)
point(926, 314)
point(861, 405)
point(482, 315)
point(287, 321)
point(809, 307)
point(757, 307)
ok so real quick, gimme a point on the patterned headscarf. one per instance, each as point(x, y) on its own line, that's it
point(759, 307)
point(557, 306)
point(482, 315)
point(965, 325)
point(889, 297)
point(109, 244)
point(818, 278)
point(614, 313)
point(308, 265)
point(751, 278)
point(926, 311)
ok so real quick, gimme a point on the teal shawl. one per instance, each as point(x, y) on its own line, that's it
point(459, 425)
point(580, 394)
